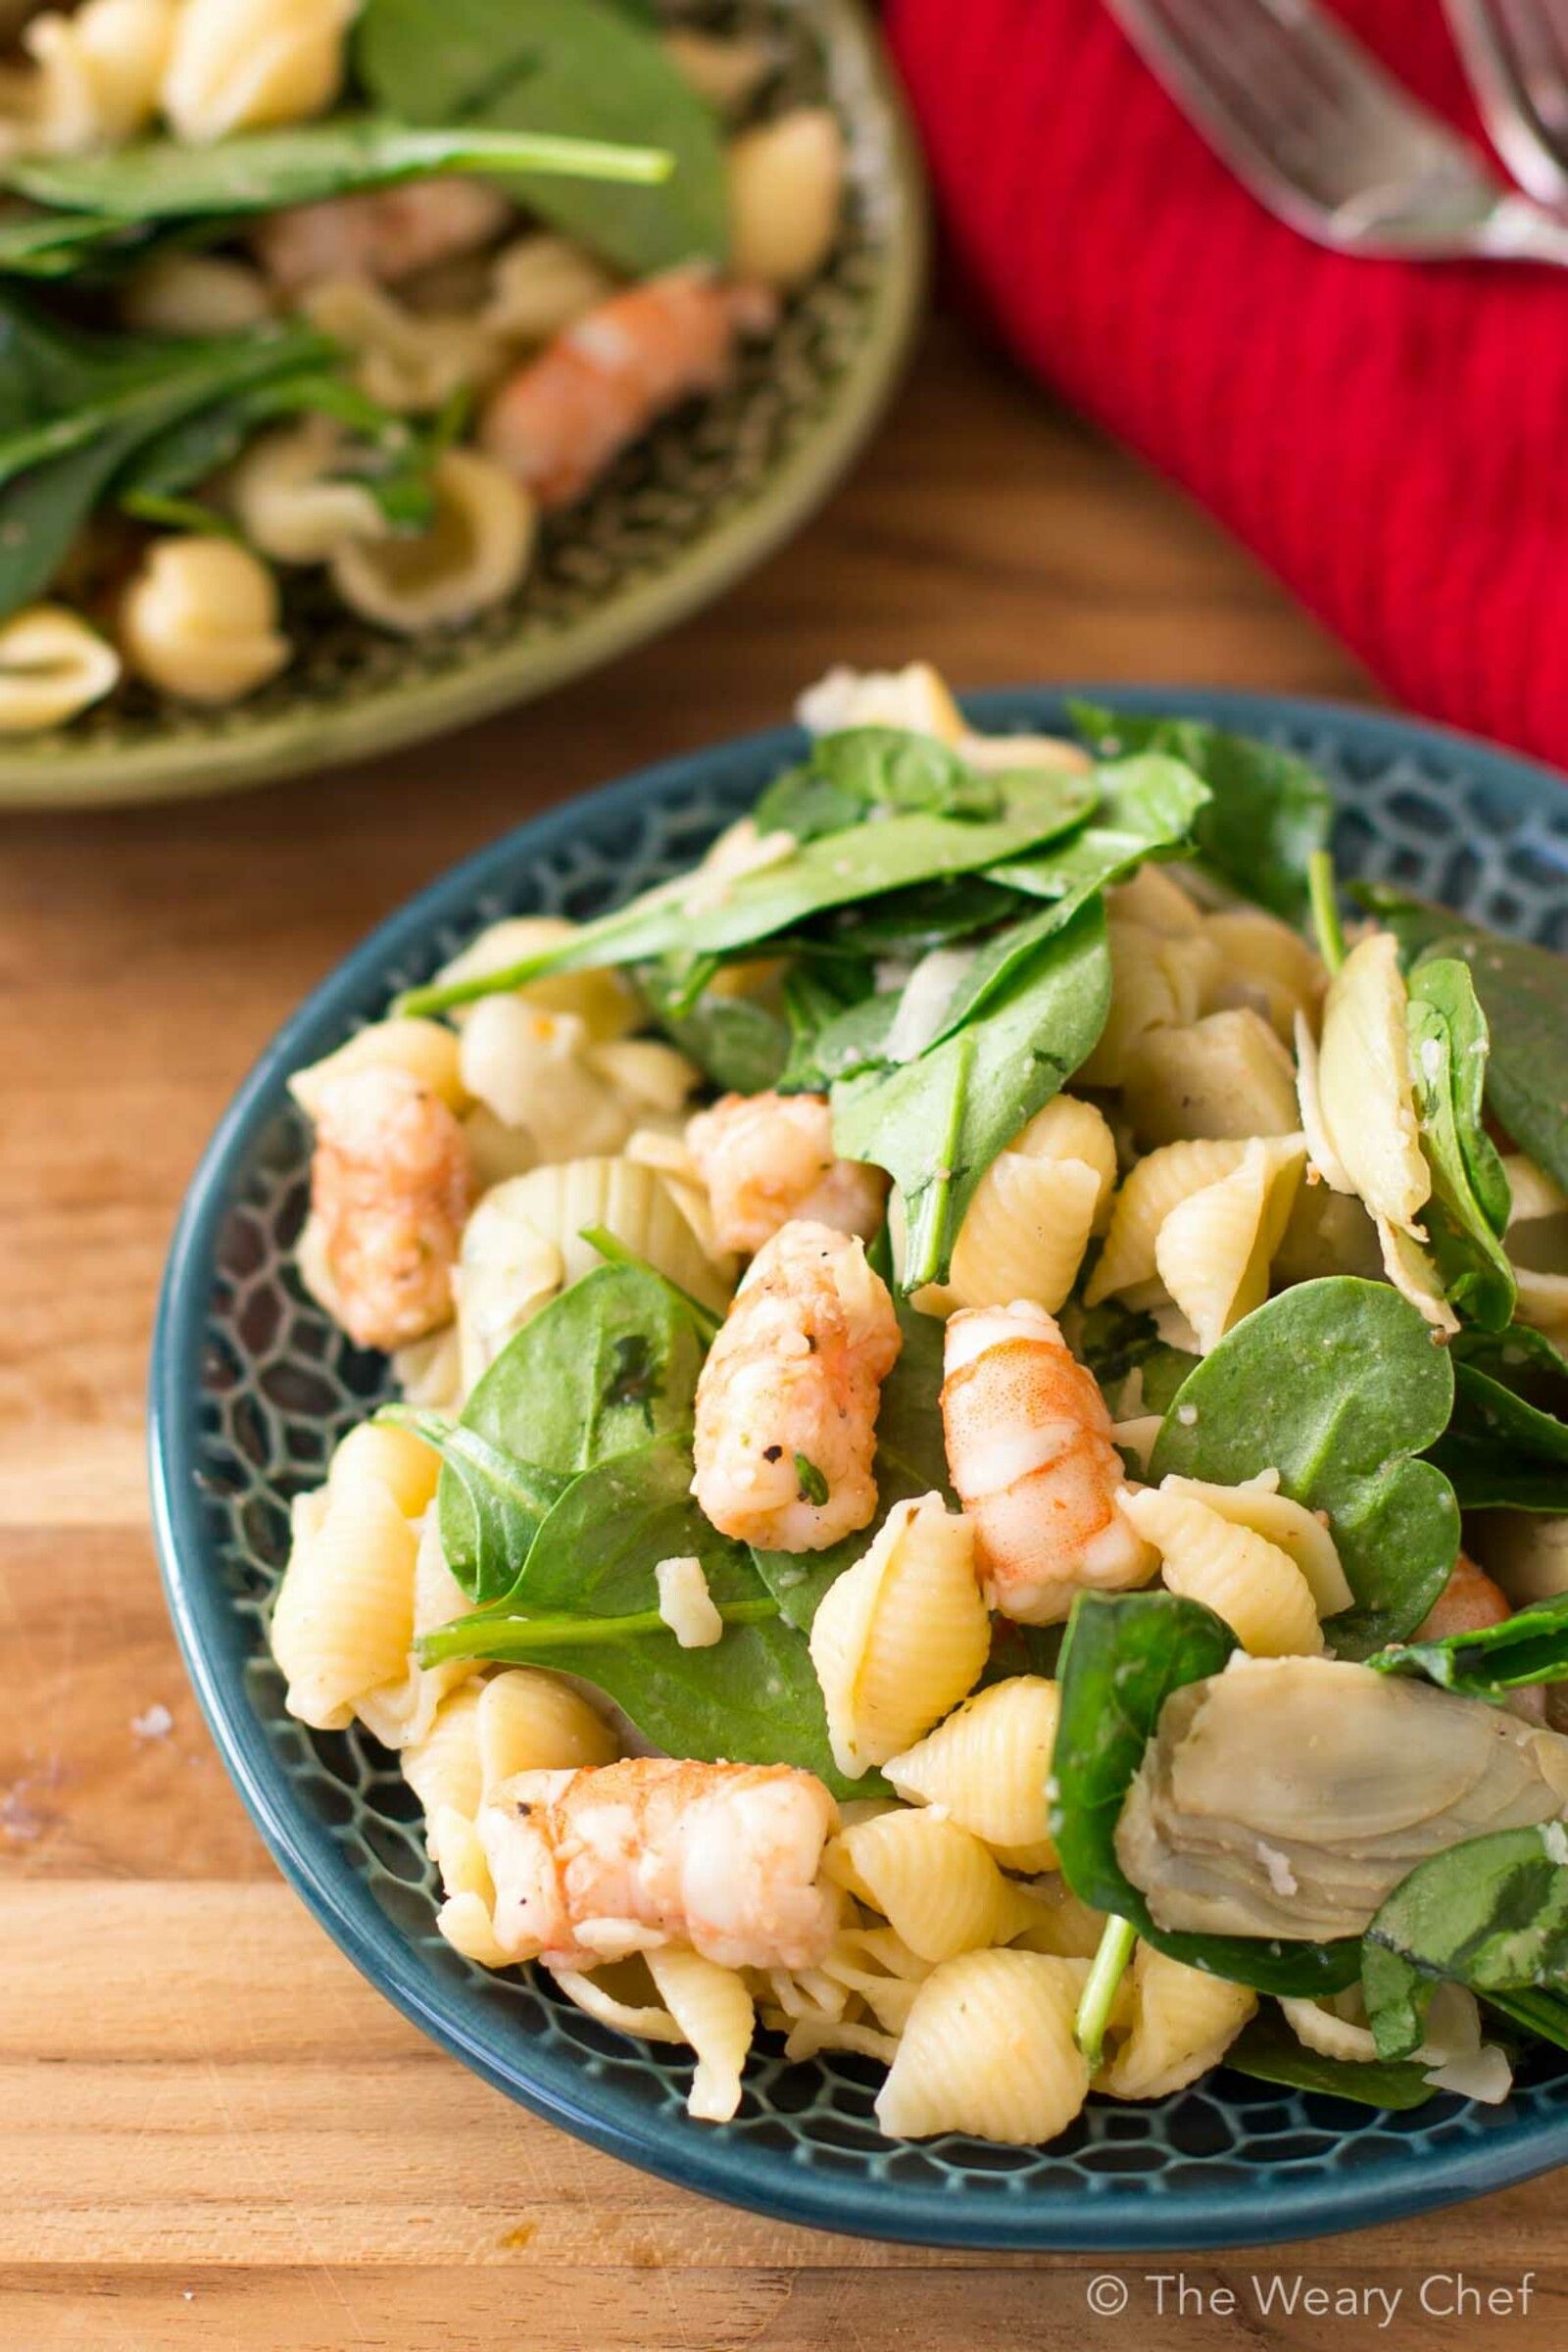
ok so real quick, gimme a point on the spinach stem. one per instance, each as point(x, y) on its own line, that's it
point(929, 1230)
point(512, 1637)
point(1325, 913)
point(1100, 1991)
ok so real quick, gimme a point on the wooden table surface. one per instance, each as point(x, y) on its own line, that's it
point(212, 2133)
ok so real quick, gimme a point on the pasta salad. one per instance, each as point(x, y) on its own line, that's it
point(982, 1470)
point(310, 305)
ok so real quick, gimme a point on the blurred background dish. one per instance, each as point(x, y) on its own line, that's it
point(714, 485)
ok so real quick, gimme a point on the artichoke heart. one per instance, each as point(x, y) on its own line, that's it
point(1288, 1796)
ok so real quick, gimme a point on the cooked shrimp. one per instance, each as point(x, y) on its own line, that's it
point(1468, 1604)
point(385, 235)
point(787, 1402)
point(1030, 1451)
point(617, 1858)
point(766, 1159)
point(391, 1187)
point(563, 416)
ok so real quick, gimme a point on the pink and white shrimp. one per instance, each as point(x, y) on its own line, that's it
point(617, 1858)
point(766, 1159)
point(560, 418)
point(786, 1401)
point(391, 1187)
point(385, 235)
point(1030, 1451)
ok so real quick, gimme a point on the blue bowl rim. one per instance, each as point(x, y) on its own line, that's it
point(708, 2159)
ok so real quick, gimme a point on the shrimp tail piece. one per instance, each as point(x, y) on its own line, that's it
point(560, 420)
point(786, 1401)
point(1030, 1451)
point(384, 234)
point(724, 1859)
point(766, 1159)
point(391, 1185)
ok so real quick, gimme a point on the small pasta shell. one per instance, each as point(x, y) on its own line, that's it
point(1183, 2020)
point(715, 2014)
point(1226, 1076)
point(394, 1458)
point(528, 1721)
point(1158, 1184)
point(1257, 1588)
point(1297, 1531)
point(1023, 1235)
point(901, 1635)
point(443, 1768)
point(987, 1766)
point(426, 1050)
point(52, 667)
point(344, 1618)
point(1212, 1253)
point(933, 1883)
point(633, 1202)
point(988, 2049)
point(603, 1000)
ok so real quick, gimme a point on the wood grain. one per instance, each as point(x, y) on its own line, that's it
point(212, 2133)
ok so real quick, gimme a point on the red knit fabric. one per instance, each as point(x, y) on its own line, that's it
point(1387, 437)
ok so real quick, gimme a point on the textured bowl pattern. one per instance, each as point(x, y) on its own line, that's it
point(253, 1388)
point(703, 497)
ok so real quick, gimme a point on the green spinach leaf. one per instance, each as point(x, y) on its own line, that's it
point(1491, 1914)
point(936, 1123)
point(863, 772)
point(907, 925)
point(753, 1696)
point(1468, 1212)
point(1268, 808)
point(1334, 1384)
point(680, 917)
point(1269, 2053)
point(95, 402)
point(568, 66)
point(1524, 995)
point(737, 1042)
point(261, 170)
point(493, 1506)
point(1531, 1647)
point(1115, 1340)
point(1508, 1443)
point(1121, 1661)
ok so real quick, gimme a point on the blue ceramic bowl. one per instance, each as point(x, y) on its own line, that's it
point(250, 1388)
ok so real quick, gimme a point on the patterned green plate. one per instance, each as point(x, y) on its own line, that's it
point(700, 500)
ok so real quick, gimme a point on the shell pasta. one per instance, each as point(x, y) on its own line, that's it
point(975, 1596)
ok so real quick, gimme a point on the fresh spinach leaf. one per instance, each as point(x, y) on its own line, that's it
point(1491, 1914)
point(834, 1033)
point(1269, 2053)
point(1508, 1443)
point(753, 1696)
point(102, 403)
point(937, 1123)
point(1334, 1384)
point(1531, 1647)
point(1269, 810)
point(1524, 994)
point(736, 1042)
point(1145, 805)
point(911, 1460)
point(1121, 1661)
point(568, 66)
point(861, 773)
point(52, 245)
point(494, 1508)
point(1468, 1211)
point(262, 170)
point(679, 917)
point(907, 925)
point(1115, 1340)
